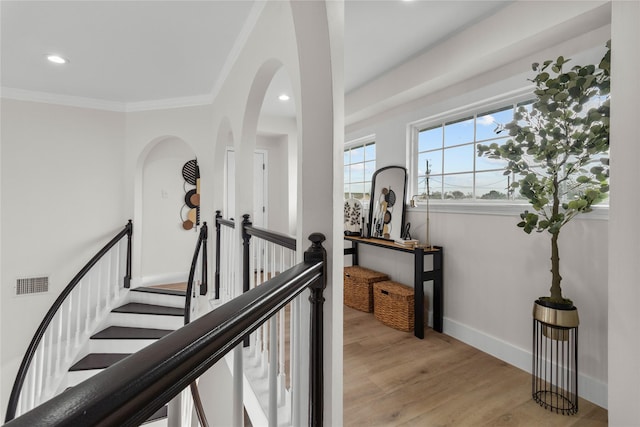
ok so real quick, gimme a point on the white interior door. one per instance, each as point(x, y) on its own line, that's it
point(260, 186)
point(260, 189)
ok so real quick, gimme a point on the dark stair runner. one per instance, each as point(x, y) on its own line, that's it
point(138, 308)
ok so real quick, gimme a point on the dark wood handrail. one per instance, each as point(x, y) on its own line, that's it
point(200, 246)
point(280, 239)
point(37, 337)
point(226, 222)
point(130, 391)
point(219, 222)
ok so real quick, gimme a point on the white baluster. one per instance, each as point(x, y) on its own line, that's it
point(60, 339)
point(238, 404)
point(174, 412)
point(282, 378)
point(295, 362)
point(273, 373)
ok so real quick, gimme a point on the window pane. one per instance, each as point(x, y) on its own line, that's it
point(430, 139)
point(357, 155)
point(485, 163)
point(457, 187)
point(486, 124)
point(347, 156)
point(458, 132)
point(357, 190)
point(492, 185)
point(346, 175)
point(367, 191)
point(357, 172)
point(435, 162)
point(346, 191)
point(435, 187)
point(459, 159)
point(369, 169)
point(370, 152)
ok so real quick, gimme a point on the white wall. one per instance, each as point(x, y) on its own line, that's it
point(167, 248)
point(278, 182)
point(62, 184)
point(493, 271)
point(624, 241)
point(144, 130)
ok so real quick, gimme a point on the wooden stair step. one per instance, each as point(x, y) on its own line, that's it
point(127, 333)
point(139, 308)
point(97, 361)
point(158, 415)
point(161, 291)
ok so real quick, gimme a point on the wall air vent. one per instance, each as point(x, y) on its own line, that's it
point(32, 285)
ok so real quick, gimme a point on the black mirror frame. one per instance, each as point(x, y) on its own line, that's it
point(373, 198)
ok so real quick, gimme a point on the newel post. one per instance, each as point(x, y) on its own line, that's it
point(204, 233)
point(246, 237)
point(127, 277)
point(316, 253)
point(217, 274)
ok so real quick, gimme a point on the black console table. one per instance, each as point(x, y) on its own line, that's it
point(419, 277)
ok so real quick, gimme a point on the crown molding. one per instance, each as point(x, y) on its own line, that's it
point(67, 100)
point(99, 104)
point(165, 104)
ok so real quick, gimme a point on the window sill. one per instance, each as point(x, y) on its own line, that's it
point(505, 209)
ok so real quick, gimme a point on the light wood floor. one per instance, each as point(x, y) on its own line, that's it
point(173, 286)
point(392, 378)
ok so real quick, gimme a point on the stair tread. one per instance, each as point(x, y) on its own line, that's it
point(97, 361)
point(159, 291)
point(158, 415)
point(125, 332)
point(139, 308)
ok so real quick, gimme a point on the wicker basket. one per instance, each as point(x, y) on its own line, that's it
point(393, 305)
point(358, 287)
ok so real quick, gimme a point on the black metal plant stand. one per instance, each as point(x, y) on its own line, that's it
point(554, 382)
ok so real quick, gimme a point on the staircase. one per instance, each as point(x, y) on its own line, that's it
point(149, 314)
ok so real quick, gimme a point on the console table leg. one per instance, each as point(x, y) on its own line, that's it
point(438, 297)
point(418, 285)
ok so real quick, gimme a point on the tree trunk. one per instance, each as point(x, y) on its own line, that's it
point(556, 290)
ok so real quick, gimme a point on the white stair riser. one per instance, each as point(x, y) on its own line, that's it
point(118, 345)
point(157, 423)
point(153, 321)
point(157, 299)
point(76, 377)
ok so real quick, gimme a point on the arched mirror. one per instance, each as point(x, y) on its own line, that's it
point(387, 209)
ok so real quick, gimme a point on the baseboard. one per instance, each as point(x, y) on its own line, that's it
point(589, 388)
point(160, 279)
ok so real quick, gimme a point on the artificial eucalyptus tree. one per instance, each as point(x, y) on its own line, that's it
point(558, 150)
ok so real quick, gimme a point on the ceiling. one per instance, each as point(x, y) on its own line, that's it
point(133, 55)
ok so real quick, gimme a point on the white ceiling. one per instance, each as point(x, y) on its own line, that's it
point(132, 54)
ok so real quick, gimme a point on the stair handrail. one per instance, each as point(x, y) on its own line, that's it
point(280, 239)
point(201, 250)
point(220, 221)
point(46, 321)
point(130, 391)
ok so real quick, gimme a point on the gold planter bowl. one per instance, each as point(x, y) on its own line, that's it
point(556, 321)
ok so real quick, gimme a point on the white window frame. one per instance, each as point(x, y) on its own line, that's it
point(361, 142)
point(479, 206)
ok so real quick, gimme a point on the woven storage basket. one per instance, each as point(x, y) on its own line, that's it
point(393, 305)
point(358, 287)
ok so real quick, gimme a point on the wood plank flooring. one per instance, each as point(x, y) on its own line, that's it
point(392, 378)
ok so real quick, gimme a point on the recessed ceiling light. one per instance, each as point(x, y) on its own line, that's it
point(283, 97)
point(57, 59)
